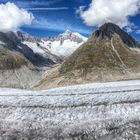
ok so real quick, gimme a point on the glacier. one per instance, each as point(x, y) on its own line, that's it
point(99, 111)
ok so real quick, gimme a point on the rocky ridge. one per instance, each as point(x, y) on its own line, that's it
point(110, 54)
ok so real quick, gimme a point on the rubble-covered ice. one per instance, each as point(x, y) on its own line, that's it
point(101, 111)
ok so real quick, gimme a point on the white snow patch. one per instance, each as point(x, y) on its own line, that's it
point(64, 50)
point(2, 43)
point(61, 48)
point(34, 47)
point(80, 36)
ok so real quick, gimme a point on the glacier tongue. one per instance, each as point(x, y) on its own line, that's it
point(104, 111)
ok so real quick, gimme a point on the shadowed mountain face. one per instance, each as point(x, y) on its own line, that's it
point(11, 60)
point(11, 42)
point(110, 54)
point(20, 66)
point(109, 29)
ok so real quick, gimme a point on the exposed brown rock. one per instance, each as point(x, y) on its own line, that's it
point(108, 55)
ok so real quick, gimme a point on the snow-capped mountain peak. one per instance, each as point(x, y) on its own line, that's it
point(62, 45)
point(73, 36)
point(66, 43)
point(80, 36)
point(68, 31)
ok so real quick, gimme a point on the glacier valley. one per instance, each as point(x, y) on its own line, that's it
point(101, 111)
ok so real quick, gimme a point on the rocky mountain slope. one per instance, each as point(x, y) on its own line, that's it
point(109, 47)
point(62, 45)
point(24, 58)
point(15, 70)
point(19, 64)
point(13, 42)
point(109, 54)
point(41, 54)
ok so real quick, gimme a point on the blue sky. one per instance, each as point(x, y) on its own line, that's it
point(52, 17)
point(56, 17)
point(54, 21)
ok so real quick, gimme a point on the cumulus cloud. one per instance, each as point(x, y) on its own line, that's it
point(12, 17)
point(115, 11)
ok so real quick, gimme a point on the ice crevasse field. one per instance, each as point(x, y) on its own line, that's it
point(92, 111)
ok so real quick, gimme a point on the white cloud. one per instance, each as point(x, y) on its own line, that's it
point(129, 29)
point(115, 11)
point(138, 32)
point(12, 17)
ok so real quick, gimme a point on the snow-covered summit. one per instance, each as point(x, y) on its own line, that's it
point(73, 36)
point(65, 44)
point(80, 36)
point(62, 45)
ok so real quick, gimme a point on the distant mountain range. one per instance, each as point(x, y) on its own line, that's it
point(110, 54)
point(24, 58)
point(62, 45)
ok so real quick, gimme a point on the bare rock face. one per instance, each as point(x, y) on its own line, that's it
point(26, 37)
point(11, 60)
point(109, 29)
point(110, 54)
point(15, 70)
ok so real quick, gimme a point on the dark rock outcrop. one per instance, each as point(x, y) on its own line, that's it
point(109, 29)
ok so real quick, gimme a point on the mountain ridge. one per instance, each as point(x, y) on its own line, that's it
point(104, 57)
point(20, 67)
point(62, 45)
point(22, 61)
point(112, 49)
point(108, 29)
